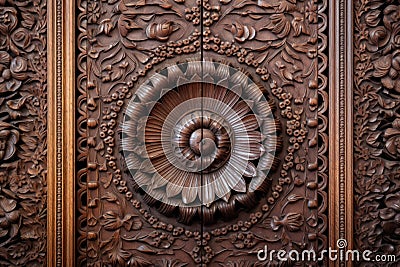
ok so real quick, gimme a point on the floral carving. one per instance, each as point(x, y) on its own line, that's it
point(13, 72)
point(242, 32)
point(292, 222)
point(392, 139)
point(8, 140)
point(9, 217)
point(276, 43)
point(377, 126)
point(205, 168)
point(23, 129)
point(160, 31)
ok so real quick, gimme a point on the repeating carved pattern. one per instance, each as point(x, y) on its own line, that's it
point(377, 126)
point(81, 242)
point(23, 131)
point(323, 108)
point(276, 44)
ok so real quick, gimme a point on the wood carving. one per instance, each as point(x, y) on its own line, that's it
point(377, 126)
point(214, 143)
point(81, 135)
point(23, 130)
point(135, 44)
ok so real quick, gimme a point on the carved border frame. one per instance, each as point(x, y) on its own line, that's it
point(340, 126)
point(61, 138)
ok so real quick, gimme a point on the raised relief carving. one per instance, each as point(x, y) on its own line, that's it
point(276, 44)
point(23, 129)
point(217, 134)
point(377, 126)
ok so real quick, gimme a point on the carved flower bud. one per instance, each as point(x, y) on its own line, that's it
point(8, 20)
point(18, 68)
point(4, 58)
point(21, 38)
point(396, 63)
point(396, 123)
point(242, 32)
point(160, 31)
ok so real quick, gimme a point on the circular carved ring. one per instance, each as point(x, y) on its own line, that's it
point(199, 134)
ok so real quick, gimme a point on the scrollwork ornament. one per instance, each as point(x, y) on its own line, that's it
point(376, 129)
point(282, 53)
point(23, 133)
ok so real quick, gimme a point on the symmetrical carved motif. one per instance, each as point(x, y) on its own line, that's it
point(377, 126)
point(203, 141)
point(323, 109)
point(276, 44)
point(23, 130)
point(81, 136)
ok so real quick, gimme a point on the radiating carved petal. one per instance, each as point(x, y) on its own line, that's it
point(207, 191)
point(142, 178)
point(257, 181)
point(221, 187)
point(382, 66)
point(8, 205)
point(173, 190)
point(189, 192)
point(250, 171)
point(250, 122)
point(240, 186)
point(133, 161)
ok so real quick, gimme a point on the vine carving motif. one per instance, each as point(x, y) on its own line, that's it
point(377, 126)
point(275, 43)
point(23, 133)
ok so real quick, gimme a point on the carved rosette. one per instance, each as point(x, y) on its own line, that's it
point(191, 140)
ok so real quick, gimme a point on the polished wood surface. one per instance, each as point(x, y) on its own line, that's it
point(317, 86)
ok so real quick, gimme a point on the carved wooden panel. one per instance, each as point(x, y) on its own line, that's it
point(23, 133)
point(377, 126)
point(139, 62)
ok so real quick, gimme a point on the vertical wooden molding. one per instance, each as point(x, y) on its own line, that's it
point(61, 137)
point(68, 130)
point(54, 180)
point(348, 49)
point(340, 129)
point(52, 132)
point(333, 129)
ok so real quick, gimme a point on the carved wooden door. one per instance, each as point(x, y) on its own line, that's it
point(199, 132)
point(201, 126)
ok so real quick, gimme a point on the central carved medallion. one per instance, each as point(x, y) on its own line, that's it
point(199, 134)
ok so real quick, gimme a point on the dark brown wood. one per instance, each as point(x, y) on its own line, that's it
point(23, 133)
point(376, 127)
point(276, 44)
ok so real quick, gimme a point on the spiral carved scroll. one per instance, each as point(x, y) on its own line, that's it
point(213, 137)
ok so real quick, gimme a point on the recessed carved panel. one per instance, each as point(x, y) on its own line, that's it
point(23, 133)
point(143, 70)
point(377, 126)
